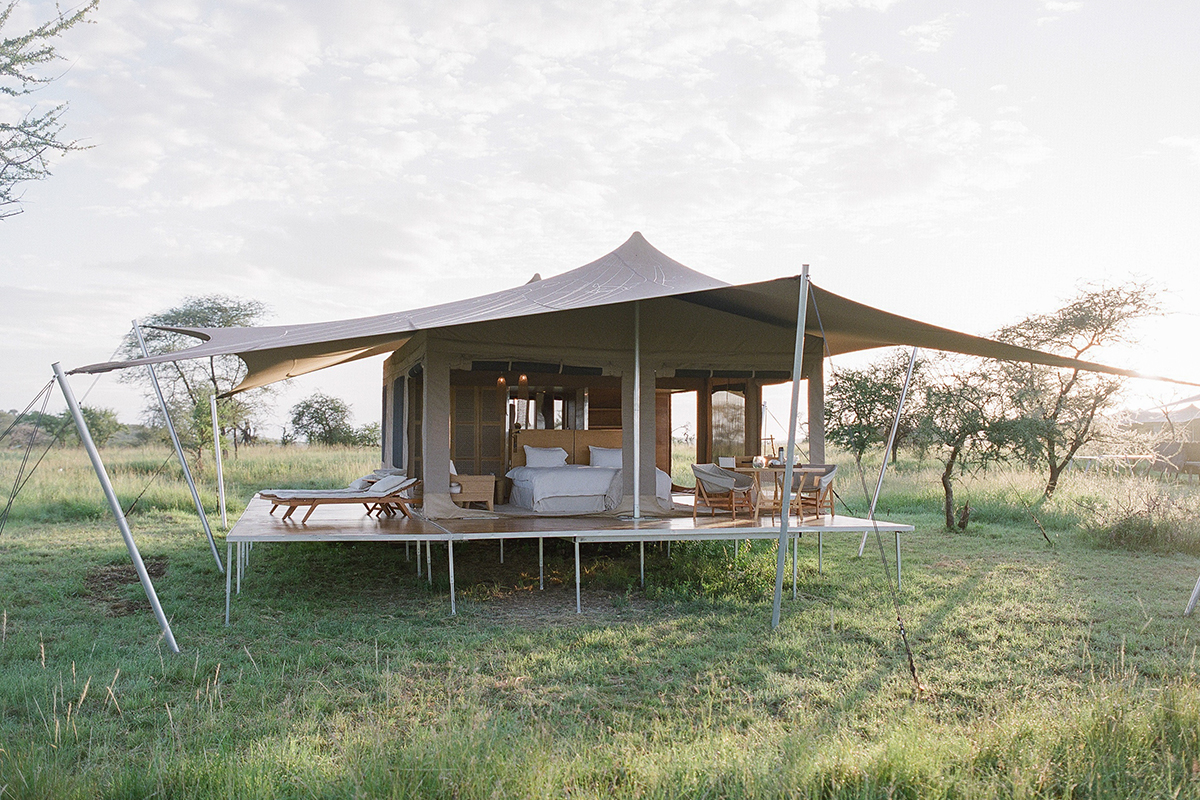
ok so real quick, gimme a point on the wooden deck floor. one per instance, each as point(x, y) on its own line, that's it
point(350, 523)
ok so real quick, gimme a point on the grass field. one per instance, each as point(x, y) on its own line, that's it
point(1060, 669)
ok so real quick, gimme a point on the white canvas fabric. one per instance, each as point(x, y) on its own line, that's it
point(577, 311)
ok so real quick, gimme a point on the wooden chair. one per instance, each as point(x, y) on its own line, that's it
point(814, 497)
point(721, 490)
point(473, 489)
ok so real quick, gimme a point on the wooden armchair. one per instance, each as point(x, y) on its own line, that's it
point(467, 489)
point(473, 489)
point(814, 497)
point(719, 489)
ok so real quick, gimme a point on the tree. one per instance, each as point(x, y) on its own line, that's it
point(31, 137)
point(322, 419)
point(1061, 407)
point(188, 384)
point(860, 405)
point(102, 424)
point(963, 414)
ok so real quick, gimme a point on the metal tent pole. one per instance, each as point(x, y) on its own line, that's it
point(637, 411)
point(212, 402)
point(187, 473)
point(1191, 605)
point(786, 499)
point(891, 440)
point(85, 436)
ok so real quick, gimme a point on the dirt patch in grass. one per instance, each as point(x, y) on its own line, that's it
point(104, 585)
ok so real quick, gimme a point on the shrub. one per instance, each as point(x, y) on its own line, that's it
point(1146, 517)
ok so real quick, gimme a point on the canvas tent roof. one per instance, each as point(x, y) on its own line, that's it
point(635, 271)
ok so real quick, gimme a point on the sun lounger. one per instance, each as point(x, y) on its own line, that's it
point(387, 496)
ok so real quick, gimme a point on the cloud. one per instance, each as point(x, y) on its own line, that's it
point(1189, 144)
point(928, 37)
point(1056, 8)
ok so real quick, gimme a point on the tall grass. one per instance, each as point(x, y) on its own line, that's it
point(1051, 671)
point(64, 487)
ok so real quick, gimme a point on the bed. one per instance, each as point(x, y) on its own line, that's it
point(563, 472)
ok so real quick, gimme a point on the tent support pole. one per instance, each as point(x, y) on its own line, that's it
point(786, 499)
point(212, 403)
point(887, 452)
point(1191, 605)
point(637, 411)
point(187, 473)
point(85, 436)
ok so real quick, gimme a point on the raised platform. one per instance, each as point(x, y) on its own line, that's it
point(350, 523)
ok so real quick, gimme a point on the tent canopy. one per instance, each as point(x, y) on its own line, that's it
point(634, 272)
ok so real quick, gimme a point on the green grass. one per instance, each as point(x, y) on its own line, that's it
point(1061, 670)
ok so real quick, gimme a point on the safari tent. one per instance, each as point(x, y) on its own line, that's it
point(596, 347)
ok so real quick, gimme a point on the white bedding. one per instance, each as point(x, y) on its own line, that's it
point(574, 489)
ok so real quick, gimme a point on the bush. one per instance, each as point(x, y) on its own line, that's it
point(1146, 517)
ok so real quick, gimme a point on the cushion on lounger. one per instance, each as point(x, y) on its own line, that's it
point(604, 456)
point(362, 483)
point(545, 456)
point(389, 484)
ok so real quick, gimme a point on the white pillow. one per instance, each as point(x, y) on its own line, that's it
point(389, 484)
point(605, 456)
point(545, 456)
point(362, 483)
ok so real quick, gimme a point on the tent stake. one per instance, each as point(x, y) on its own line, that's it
point(85, 436)
point(187, 473)
point(786, 500)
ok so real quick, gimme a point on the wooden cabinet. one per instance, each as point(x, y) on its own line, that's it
point(477, 430)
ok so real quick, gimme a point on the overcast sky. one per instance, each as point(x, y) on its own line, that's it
point(965, 163)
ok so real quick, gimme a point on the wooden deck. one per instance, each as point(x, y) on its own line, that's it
point(350, 523)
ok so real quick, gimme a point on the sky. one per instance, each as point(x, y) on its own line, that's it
point(963, 163)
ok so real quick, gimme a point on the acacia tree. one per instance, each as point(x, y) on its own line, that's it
point(964, 417)
point(1061, 407)
point(32, 136)
point(188, 384)
point(860, 405)
point(323, 419)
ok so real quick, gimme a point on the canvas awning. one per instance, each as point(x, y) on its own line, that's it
point(635, 271)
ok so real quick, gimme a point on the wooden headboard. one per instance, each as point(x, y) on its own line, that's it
point(576, 443)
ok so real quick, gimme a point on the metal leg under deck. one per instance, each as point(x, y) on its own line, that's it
point(578, 600)
point(541, 567)
point(795, 562)
point(228, 578)
point(450, 558)
point(429, 561)
point(642, 554)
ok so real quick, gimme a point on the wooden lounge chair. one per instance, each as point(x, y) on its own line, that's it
point(722, 490)
point(385, 498)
